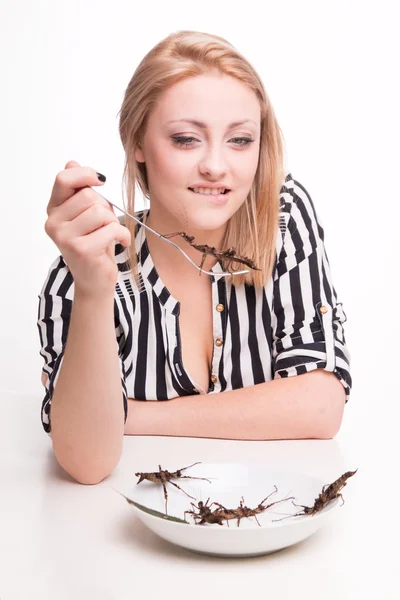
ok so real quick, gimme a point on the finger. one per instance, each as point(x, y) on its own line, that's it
point(69, 181)
point(90, 220)
point(72, 163)
point(79, 203)
point(98, 241)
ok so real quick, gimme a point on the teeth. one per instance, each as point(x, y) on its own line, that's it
point(214, 192)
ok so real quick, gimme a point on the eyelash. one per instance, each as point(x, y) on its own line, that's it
point(182, 141)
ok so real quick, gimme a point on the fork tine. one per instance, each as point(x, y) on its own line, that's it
point(221, 274)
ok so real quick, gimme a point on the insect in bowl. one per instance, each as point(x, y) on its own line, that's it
point(233, 485)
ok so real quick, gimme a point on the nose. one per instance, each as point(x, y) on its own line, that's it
point(212, 162)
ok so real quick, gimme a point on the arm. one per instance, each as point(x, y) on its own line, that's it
point(306, 406)
point(307, 320)
point(310, 360)
point(87, 414)
point(83, 406)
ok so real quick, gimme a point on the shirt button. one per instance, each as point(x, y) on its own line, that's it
point(214, 378)
point(323, 310)
point(218, 342)
point(220, 307)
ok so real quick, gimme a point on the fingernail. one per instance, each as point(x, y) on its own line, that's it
point(101, 177)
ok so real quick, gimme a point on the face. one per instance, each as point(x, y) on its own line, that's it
point(180, 154)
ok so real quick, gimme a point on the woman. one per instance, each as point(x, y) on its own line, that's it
point(195, 120)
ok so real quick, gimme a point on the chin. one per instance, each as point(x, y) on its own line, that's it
point(207, 223)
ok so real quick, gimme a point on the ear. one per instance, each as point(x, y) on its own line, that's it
point(139, 155)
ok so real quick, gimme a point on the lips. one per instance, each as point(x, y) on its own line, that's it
point(220, 199)
point(224, 192)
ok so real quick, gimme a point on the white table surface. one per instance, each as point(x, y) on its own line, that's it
point(60, 540)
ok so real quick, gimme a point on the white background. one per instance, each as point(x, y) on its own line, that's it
point(330, 70)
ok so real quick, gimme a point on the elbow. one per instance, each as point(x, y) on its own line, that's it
point(84, 472)
point(90, 475)
point(333, 409)
point(329, 430)
point(90, 480)
point(330, 398)
point(87, 476)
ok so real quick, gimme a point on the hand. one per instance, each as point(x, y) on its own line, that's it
point(84, 228)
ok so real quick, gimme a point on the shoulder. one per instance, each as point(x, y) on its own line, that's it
point(293, 195)
point(297, 209)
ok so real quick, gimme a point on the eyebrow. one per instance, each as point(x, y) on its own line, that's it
point(204, 125)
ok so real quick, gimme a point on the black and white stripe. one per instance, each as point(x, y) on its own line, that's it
point(275, 331)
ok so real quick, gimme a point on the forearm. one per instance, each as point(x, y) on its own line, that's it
point(87, 416)
point(301, 407)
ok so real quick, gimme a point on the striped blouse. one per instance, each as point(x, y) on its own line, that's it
point(291, 325)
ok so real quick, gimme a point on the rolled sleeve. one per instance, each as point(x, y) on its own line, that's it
point(307, 319)
point(54, 314)
point(53, 322)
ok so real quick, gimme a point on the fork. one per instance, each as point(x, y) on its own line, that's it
point(222, 273)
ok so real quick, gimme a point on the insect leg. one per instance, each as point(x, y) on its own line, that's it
point(203, 258)
point(179, 488)
point(170, 235)
point(288, 517)
point(282, 500)
point(184, 468)
point(229, 263)
point(219, 505)
point(274, 492)
point(190, 477)
point(191, 512)
point(300, 505)
point(255, 516)
point(165, 496)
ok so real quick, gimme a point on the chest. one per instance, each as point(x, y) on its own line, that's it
point(220, 338)
point(196, 334)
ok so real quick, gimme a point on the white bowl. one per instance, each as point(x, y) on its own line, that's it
point(229, 482)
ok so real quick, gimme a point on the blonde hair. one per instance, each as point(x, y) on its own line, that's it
point(253, 228)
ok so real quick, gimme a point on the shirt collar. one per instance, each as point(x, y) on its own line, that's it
point(149, 271)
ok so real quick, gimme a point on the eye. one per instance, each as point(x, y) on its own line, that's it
point(246, 141)
point(187, 141)
point(183, 141)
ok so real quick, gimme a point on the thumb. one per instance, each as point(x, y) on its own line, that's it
point(72, 163)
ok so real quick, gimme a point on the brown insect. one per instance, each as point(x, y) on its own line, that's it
point(163, 476)
point(329, 492)
point(243, 511)
point(206, 515)
point(229, 255)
